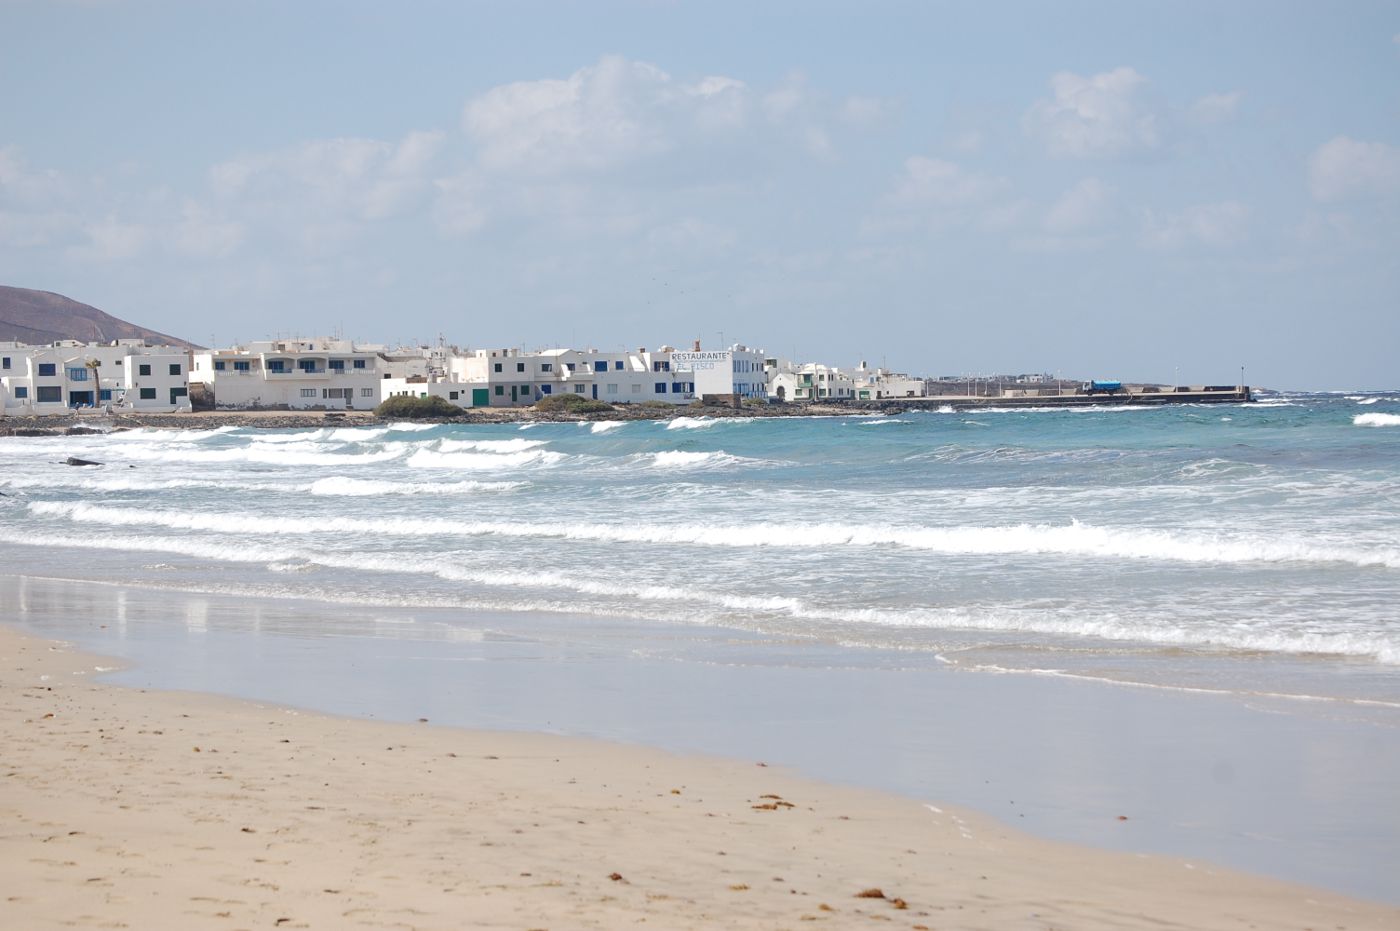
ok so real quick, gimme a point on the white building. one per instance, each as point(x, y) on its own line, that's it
point(810, 381)
point(736, 371)
point(67, 375)
point(877, 384)
point(303, 374)
point(515, 378)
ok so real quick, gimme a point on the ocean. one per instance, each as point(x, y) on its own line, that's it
point(1246, 551)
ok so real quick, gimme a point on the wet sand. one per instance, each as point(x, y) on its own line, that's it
point(133, 808)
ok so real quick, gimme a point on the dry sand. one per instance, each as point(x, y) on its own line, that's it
point(133, 809)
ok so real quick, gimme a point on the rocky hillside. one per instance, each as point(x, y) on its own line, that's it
point(29, 316)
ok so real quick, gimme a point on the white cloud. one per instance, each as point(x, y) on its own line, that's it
point(1347, 169)
point(939, 183)
point(1095, 117)
point(1215, 108)
point(864, 111)
point(1216, 225)
point(459, 209)
point(1085, 206)
point(111, 239)
point(366, 178)
point(202, 234)
point(599, 117)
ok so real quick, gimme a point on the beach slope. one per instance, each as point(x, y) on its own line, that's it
point(125, 808)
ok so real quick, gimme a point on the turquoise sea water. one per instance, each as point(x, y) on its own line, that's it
point(1242, 547)
point(1184, 614)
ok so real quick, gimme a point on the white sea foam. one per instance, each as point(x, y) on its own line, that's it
point(682, 459)
point(691, 423)
point(1367, 400)
point(1075, 540)
point(285, 454)
point(428, 459)
point(341, 486)
point(879, 421)
point(489, 446)
point(411, 427)
point(604, 426)
point(1376, 420)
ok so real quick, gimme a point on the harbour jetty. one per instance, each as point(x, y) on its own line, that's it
point(1081, 396)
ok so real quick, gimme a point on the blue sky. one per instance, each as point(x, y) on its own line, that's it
point(1131, 190)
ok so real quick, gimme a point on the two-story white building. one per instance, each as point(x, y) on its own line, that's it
point(809, 381)
point(879, 384)
point(736, 372)
point(72, 375)
point(303, 374)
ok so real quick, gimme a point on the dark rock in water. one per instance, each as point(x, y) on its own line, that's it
point(80, 431)
point(75, 461)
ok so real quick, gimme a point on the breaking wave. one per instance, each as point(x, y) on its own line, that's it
point(340, 486)
point(1075, 539)
point(1376, 420)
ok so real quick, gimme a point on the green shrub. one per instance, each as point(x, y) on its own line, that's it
point(571, 404)
point(411, 408)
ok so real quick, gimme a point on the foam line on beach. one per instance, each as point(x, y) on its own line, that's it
point(1075, 539)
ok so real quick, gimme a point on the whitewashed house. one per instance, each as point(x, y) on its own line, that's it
point(879, 384)
point(809, 381)
point(301, 374)
point(72, 375)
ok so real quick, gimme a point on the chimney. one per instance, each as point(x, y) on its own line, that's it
point(697, 345)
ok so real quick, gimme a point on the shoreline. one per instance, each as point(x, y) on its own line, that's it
point(155, 807)
point(76, 422)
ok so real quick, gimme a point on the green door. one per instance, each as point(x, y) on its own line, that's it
point(481, 397)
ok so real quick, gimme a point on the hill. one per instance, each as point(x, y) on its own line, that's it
point(29, 316)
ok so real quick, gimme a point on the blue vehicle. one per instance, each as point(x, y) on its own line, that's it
point(1103, 387)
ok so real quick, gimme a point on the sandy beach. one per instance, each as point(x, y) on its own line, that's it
point(142, 809)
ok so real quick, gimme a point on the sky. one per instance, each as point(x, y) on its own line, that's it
point(1146, 191)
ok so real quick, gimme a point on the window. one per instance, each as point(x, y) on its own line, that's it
point(177, 393)
point(48, 395)
point(546, 367)
point(366, 392)
point(48, 368)
point(359, 363)
point(600, 366)
point(578, 389)
point(218, 366)
point(546, 389)
point(661, 366)
point(497, 366)
point(21, 392)
point(678, 387)
point(308, 392)
point(500, 389)
point(275, 365)
point(4, 362)
point(77, 373)
point(617, 364)
point(148, 394)
point(240, 366)
point(336, 365)
point(520, 366)
point(569, 366)
point(612, 389)
point(661, 387)
point(636, 389)
point(307, 365)
point(452, 395)
point(105, 394)
point(144, 370)
point(174, 368)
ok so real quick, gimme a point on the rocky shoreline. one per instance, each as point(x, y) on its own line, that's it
point(77, 423)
